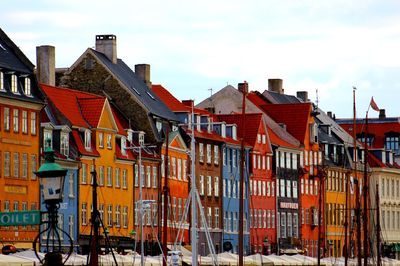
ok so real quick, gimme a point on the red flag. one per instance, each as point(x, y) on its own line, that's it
point(373, 105)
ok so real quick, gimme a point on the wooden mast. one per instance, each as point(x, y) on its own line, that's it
point(244, 89)
point(165, 193)
point(365, 193)
point(378, 227)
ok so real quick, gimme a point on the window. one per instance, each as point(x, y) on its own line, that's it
point(208, 153)
point(47, 138)
point(173, 166)
point(216, 186)
point(123, 146)
point(201, 152)
point(87, 139)
point(311, 187)
point(6, 118)
point(24, 165)
point(209, 186)
point(184, 170)
point(148, 175)
point(84, 173)
point(234, 158)
point(118, 178)
point(71, 185)
point(294, 184)
point(258, 138)
point(295, 226)
point(84, 213)
point(283, 225)
point(16, 164)
point(124, 179)
point(392, 143)
point(16, 120)
point(216, 215)
point(109, 216)
point(6, 164)
point(33, 166)
point(14, 87)
point(201, 185)
point(263, 162)
point(101, 211)
point(125, 217)
point(101, 175)
point(24, 122)
point(216, 155)
point(101, 140)
point(209, 217)
point(1, 80)
point(282, 192)
point(179, 169)
point(118, 216)
point(306, 186)
point(27, 86)
point(109, 141)
point(142, 174)
point(155, 175)
point(71, 226)
point(288, 189)
point(64, 143)
point(109, 176)
point(224, 156)
point(33, 123)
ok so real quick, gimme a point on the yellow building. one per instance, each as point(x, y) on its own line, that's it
point(100, 137)
point(20, 104)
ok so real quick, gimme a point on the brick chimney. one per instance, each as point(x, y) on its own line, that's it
point(275, 85)
point(329, 113)
point(382, 114)
point(107, 44)
point(243, 87)
point(302, 95)
point(188, 103)
point(46, 64)
point(143, 73)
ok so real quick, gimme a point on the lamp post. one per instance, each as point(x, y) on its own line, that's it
point(52, 176)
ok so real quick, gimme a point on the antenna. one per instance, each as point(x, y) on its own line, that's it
point(211, 91)
point(317, 101)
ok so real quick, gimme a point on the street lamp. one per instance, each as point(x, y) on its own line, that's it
point(52, 176)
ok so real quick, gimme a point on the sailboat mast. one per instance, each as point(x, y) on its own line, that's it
point(242, 156)
point(94, 245)
point(378, 227)
point(365, 190)
point(165, 193)
point(346, 221)
point(193, 194)
point(358, 208)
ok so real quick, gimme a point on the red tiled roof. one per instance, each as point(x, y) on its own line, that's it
point(294, 116)
point(374, 162)
point(67, 102)
point(173, 103)
point(378, 130)
point(91, 109)
point(276, 140)
point(256, 98)
point(121, 122)
point(252, 125)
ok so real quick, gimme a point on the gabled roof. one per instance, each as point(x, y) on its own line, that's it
point(253, 122)
point(136, 86)
point(11, 57)
point(67, 101)
point(294, 116)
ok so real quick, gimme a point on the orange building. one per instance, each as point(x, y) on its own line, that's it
point(101, 140)
point(20, 104)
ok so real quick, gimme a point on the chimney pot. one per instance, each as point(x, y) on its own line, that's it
point(143, 73)
point(329, 113)
point(46, 64)
point(107, 44)
point(243, 87)
point(382, 114)
point(275, 85)
point(302, 95)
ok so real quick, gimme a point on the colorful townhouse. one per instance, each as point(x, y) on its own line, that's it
point(229, 100)
point(175, 153)
point(208, 169)
point(383, 145)
point(101, 143)
point(20, 106)
point(261, 189)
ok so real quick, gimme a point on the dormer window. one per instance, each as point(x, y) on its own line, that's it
point(1, 81)
point(14, 87)
point(123, 145)
point(198, 123)
point(141, 138)
point(47, 135)
point(101, 140)
point(209, 123)
point(130, 135)
point(234, 132)
point(87, 139)
point(223, 130)
point(64, 143)
point(27, 86)
point(190, 120)
point(109, 141)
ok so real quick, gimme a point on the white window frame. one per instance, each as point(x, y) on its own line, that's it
point(101, 140)
point(216, 154)
point(24, 124)
point(201, 152)
point(209, 153)
point(109, 141)
point(64, 143)
point(14, 84)
point(33, 123)
point(16, 120)
point(6, 118)
point(201, 181)
point(27, 86)
point(216, 186)
point(209, 185)
point(88, 144)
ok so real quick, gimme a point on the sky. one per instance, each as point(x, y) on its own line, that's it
point(195, 48)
